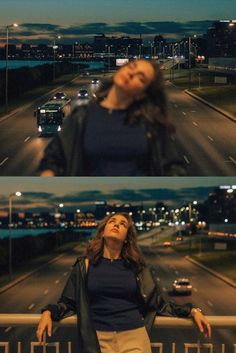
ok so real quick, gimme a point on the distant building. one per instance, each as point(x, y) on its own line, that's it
point(221, 44)
point(119, 46)
point(222, 205)
point(222, 211)
point(159, 44)
point(83, 51)
point(25, 51)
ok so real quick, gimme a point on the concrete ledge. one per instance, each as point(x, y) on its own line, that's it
point(212, 272)
point(219, 110)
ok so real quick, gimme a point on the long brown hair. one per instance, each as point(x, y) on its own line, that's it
point(152, 108)
point(129, 252)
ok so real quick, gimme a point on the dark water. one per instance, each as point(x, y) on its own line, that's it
point(16, 64)
point(18, 233)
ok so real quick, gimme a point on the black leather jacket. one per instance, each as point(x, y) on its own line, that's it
point(74, 299)
point(65, 153)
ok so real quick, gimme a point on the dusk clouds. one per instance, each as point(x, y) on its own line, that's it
point(45, 32)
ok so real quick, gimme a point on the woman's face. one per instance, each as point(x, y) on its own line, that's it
point(134, 77)
point(116, 228)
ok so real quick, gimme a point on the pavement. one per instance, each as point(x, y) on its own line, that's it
point(197, 263)
point(219, 110)
point(30, 273)
point(27, 105)
point(144, 238)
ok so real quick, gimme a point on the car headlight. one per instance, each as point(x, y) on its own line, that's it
point(39, 129)
point(59, 128)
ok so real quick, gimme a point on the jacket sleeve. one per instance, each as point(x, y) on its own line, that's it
point(173, 164)
point(53, 158)
point(157, 302)
point(66, 305)
point(169, 308)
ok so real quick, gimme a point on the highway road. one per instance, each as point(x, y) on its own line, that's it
point(205, 139)
point(209, 293)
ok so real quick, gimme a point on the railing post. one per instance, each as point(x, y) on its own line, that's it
point(5, 345)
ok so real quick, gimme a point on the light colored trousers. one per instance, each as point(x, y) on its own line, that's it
point(130, 341)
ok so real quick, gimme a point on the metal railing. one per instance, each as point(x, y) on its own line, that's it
point(31, 320)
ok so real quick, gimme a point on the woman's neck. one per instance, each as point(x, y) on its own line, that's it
point(110, 252)
point(116, 99)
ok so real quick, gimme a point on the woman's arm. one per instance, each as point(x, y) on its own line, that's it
point(66, 305)
point(53, 161)
point(163, 307)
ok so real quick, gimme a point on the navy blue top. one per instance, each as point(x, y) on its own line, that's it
point(112, 146)
point(113, 296)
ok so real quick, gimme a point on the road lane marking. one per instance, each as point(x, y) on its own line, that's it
point(184, 113)
point(194, 123)
point(54, 330)
point(158, 279)
point(45, 292)
point(232, 159)
point(176, 105)
point(3, 161)
point(57, 281)
point(27, 139)
point(193, 111)
point(186, 159)
point(195, 289)
point(209, 303)
point(210, 138)
point(8, 329)
point(65, 273)
point(31, 306)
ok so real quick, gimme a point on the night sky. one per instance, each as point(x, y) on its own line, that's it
point(40, 194)
point(76, 19)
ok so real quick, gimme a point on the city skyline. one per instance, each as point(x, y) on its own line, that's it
point(40, 194)
point(40, 21)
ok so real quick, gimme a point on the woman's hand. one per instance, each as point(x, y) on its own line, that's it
point(47, 173)
point(201, 322)
point(44, 323)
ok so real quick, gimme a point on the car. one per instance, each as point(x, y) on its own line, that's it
point(59, 96)
point(83, 94)
point(182, 286)
point(167, 243)
point(179, 238)
point(95, 81)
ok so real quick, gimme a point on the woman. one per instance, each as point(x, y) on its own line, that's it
point(125, 132)
point(114, 295)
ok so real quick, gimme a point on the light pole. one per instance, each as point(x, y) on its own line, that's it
point(140, 51)
point(6, 83)
point(127, 51)
point(18, 194)
point(54, 56)
point(109, 55)
point(189, 61)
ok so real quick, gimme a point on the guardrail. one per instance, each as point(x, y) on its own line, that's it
point(31, 320)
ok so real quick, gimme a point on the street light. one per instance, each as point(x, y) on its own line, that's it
point(127, 51)
point(6, 83)
point(109, 54)
point(54, 55)
point(18, 194)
